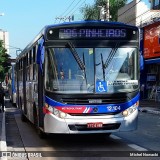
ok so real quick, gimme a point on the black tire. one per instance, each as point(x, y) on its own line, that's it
point(41, 134)
point(35, 116)
point(15, 105)
point(23, 117)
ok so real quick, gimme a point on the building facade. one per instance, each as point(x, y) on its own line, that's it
point(132, 13)
point(155, 4)
point(148, 20)
point(150, 77)
point(4, 36)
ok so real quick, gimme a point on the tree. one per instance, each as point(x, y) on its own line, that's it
point(92, 12)
point(4, 61)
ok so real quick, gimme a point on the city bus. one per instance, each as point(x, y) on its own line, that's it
point(80, 78)
point(12, 84)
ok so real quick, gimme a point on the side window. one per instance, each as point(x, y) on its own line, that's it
point(156, 2)
point(34, 62)
point(20, 69)
point(30, 57)
point(27, 61)
point(31, 64)
point(27, 69)
point(51, 74)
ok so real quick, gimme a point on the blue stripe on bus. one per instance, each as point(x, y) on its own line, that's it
point(107, 108)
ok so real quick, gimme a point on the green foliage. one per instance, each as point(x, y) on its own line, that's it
point(4, 61)
point(91, 12)
point(114, 6)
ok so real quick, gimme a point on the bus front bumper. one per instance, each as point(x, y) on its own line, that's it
point(78, 124)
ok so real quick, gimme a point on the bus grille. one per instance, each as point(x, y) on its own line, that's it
point(84, 127)
point(93, 101)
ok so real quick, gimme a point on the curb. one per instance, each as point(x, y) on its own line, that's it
point(3, 144)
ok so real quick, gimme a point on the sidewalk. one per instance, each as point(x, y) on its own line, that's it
point(3, 146)
point(150, 106)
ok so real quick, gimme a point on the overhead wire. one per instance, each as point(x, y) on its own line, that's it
point(139, 16)
point(12, 47)
point(78, 7)
point(136, 16)
point(65, 10)
point(130, 8)
point(73, 8)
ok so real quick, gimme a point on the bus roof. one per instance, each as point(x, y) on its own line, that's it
point(93, 22)
point(89, 22)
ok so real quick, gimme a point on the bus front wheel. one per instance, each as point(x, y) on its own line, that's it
point(41, 134)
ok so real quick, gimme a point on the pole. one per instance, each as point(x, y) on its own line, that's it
point(102, 13)
point(107, 10)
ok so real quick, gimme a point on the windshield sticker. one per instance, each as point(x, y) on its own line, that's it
point(101, 86)
point(90, 50)
point(122, 82)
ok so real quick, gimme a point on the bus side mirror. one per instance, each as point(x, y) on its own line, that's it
point(141, 62)
point(40, 54)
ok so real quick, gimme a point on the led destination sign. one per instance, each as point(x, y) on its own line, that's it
point(92, 32)
point(70, 33)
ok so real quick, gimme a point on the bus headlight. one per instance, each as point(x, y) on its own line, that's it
point(50, 109)
point(130, 110)
point(62, 114)
point(56, 112)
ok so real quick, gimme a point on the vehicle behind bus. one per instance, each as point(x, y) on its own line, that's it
point(12, 84)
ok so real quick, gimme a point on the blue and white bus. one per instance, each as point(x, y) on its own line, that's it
point(81, 78)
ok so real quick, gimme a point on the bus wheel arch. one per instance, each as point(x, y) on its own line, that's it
point(40, 131)
point(23, 117)
point(35, 115)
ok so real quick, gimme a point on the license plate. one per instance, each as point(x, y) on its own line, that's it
point(95, 125)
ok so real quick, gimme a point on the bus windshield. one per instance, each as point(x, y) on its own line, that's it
point(106, 70)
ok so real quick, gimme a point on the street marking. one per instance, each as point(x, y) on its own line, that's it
point(115, 137)
point(136, 147)
point(3, 145)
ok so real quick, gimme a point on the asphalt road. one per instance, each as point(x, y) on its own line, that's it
point(22, 137)
point(148, 133)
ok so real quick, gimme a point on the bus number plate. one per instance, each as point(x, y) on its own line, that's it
point(95, 125)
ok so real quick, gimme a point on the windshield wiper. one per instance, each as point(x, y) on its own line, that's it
point(76, 56)
point(103, 69)
point(111, 55)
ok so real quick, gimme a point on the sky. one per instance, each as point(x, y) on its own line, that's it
point(24, 19)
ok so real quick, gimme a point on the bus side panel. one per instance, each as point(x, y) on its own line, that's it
point(40, 98)
point(13, 85)
point(17, 84)
point(24, 86)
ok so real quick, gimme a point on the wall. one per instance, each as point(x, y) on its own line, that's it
point(132, 13)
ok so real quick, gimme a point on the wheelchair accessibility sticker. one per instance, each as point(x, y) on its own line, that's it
point(101, 86)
